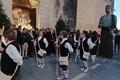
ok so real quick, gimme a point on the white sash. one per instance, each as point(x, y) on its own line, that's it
point(91, 44)
point(7, 77)
point(41, 52)
point(86, 55)
point(64, 60)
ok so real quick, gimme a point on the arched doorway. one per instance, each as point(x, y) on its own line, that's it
point(24, 13)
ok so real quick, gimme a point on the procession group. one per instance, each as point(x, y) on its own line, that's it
point(19, 43)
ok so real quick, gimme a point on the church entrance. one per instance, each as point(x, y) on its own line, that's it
point(24, 13)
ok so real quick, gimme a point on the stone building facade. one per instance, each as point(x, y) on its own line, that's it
point(85, 17)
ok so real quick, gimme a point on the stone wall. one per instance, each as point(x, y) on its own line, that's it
point(48, 16)
point(89, 12)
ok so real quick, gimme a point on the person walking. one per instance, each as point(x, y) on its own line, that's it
point(65, 50)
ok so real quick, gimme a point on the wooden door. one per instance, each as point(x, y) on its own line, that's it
point(33, 17)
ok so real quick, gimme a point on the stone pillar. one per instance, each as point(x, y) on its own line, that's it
point(52, 15)
point(44, 13)
point(38, 16)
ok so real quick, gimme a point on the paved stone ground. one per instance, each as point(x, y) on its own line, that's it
point(103, 69)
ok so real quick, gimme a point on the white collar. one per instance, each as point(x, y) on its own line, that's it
point(9, 42)
point(84, 38)
point(64, 39)
point(39, 38)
